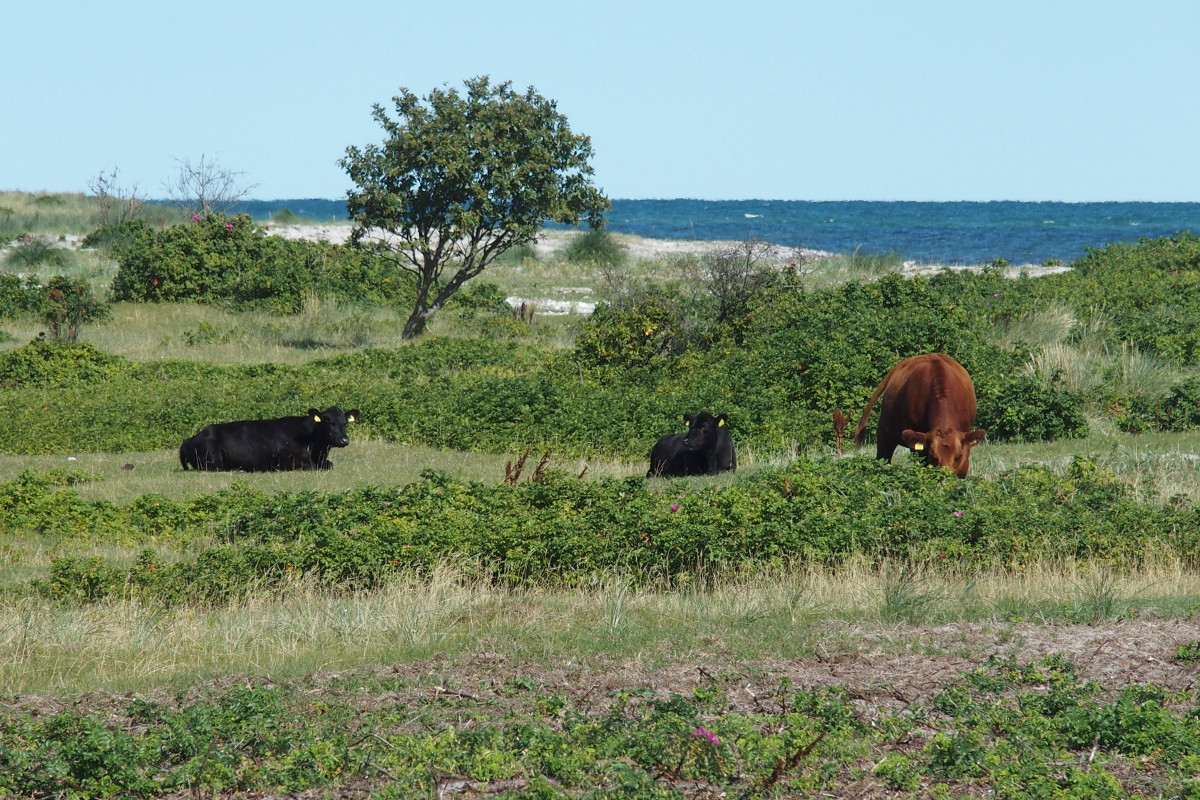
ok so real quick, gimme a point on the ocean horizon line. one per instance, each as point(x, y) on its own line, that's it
point(776, 200)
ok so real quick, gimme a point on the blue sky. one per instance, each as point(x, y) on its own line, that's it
point(857, 100)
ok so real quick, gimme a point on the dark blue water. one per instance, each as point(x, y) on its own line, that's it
point(941, 233)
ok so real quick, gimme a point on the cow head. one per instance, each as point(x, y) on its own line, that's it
point(944, 447)
point(703, 429)
point(332, 421)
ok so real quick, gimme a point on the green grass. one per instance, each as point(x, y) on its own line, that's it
point(1160, 466)
point(40, 213)
point(122, 477)
point(756, 616)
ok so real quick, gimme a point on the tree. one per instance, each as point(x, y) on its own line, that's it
point(114, 203)
point(205, 188)
point(460, 179)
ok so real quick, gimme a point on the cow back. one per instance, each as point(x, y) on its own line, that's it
point(929, 392)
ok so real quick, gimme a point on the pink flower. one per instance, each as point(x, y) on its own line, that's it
point(704, 733)
point(674, 507)
point(196, 218)
point(995, 294)
point(958, 513)
point(228, 224)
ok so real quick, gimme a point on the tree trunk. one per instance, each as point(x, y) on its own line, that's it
point(415, 325)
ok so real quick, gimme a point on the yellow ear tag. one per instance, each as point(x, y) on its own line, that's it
point(919, 446)
point(351, 418)
point(721, 423)
point(316, 418)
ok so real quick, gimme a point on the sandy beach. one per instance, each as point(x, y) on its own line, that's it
point(640, 248)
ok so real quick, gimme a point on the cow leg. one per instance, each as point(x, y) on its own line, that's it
point(885, 446)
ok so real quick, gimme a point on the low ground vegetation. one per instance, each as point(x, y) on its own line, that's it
point(1007, 729)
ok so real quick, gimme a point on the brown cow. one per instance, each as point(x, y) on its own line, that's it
point(929, 406)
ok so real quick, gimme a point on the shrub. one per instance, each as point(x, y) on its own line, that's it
point(67, 304)
point(562, 530)
point(631, 336)
point(216, 259)
point(56, 364)
point(18, 296)
point(1031, 408)
point(1179, 410)
point(481, 299)
point(113, 238)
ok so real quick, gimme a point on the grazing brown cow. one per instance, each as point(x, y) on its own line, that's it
point(928, 406)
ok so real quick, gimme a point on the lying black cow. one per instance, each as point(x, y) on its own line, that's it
point(705, 449)
point(256, 445)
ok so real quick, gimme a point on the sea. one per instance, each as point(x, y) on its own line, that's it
point(926, 232)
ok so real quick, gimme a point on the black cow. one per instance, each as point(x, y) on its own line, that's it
point(705, 449)
point(256, 445)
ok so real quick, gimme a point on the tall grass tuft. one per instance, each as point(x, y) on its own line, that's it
point(596, 246)
point(38, 253)
point(1078, 369)
point(1042, 326)
point(831, 270)
point(1131, 373)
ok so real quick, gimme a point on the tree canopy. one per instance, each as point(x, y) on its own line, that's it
point(459, 179)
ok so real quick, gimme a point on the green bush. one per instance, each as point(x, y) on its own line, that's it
point(18, 296)
point(230, 260)
point(633, 335)
point(1178, 411)
point(54, 365)
point(564, 530)
point(67, 305)
point(1031, 408)
point(113, 238)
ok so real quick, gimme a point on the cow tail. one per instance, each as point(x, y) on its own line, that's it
point(860, 432)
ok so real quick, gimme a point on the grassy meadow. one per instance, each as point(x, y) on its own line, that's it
point(455, 612)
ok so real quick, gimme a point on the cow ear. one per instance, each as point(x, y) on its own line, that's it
point(914, 439)
point(687, 418)
point(352, 415)
point(721, 421)
point(974, 437)
point(316, 415)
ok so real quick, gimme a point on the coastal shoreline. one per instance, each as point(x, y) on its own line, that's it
point(551, 242)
